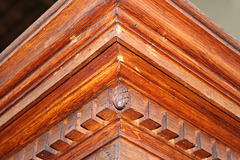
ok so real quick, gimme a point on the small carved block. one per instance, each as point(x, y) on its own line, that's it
point(170, 125)
point(44, 151)
point(30, 151)
point(219, 151)
point(136, 108)
point(187, 136)
point(233, 155)
point(152, 118)
point(89, 120)
point(57, 138)
point(203, 147)
point(120, 96)
point(105, 108)
point(73, 129)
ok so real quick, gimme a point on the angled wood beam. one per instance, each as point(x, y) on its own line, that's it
point(155, 48)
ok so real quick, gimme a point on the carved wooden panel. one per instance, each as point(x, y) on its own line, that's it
point(152, 118)
point(148, 72)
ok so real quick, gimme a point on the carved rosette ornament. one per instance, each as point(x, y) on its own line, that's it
point(120, 96)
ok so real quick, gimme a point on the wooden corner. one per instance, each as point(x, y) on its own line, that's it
point(133, 71)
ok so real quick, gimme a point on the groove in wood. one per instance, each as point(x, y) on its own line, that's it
point(30, 151)
point(203, 145)
point(170, 125)
point(105, 108)
point(187, 136)
point(219, 151)
point(89, 120)
point(150, 115)
point(74, 131)
point(57, 138)
point(44, 151)
point(135, 109)
point(151, 118)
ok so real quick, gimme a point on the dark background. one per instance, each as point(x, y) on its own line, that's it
point(17, 15)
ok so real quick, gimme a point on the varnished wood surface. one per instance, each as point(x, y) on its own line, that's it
point(188, 7)
point(43, 48)
point(56, 105)
point(99, 122)
point(73, 55)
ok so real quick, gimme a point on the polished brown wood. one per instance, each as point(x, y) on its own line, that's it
point(144, 71)
point(174, 139)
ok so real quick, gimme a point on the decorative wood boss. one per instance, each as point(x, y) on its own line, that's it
point(125, 79)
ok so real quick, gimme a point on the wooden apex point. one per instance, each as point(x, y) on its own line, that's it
point(120, 97)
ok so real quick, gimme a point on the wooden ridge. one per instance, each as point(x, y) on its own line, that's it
point(79, 48)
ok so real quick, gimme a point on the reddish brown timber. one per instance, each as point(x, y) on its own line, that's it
point(150, 143)
point(187, 136)
point(30, 151)
point(189, 8)
point(61, 28)
point(190, 138)
point(166, 48)
point(180, 73)
point(43, 86)
point(74, 131)
point(94, 142)
point(44, 151)
point(83, 85)
point(182, 88)
point(57, 138)
point(89, 120)
point(136, 71)
point(182, 31)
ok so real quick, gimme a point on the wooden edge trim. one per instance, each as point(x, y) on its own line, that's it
point(39, 23)
point(84, 45)
point(62, 101)
point(51, 39)
point(184, 33)
point(193, 11)
point(179, 73)
point(56, 78)
point(146, 141)
point(209, 124)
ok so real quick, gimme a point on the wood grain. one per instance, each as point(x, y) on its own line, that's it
point(179, 73)
point(27, 65)
point(175, 26)
point(135, 73)
point(143, 139)
point(110, 132)
point(57, 104)
point(194, 142)
point(58, 74)
point(183, 73)
point(191, 9)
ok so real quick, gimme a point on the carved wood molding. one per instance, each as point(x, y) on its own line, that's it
point(142, 121)
point(154, 47)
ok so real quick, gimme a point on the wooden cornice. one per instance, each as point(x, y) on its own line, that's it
point(79, 48)
point(121, 112)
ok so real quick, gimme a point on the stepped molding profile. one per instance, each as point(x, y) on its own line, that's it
point(139, 115)
point(135, 72)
